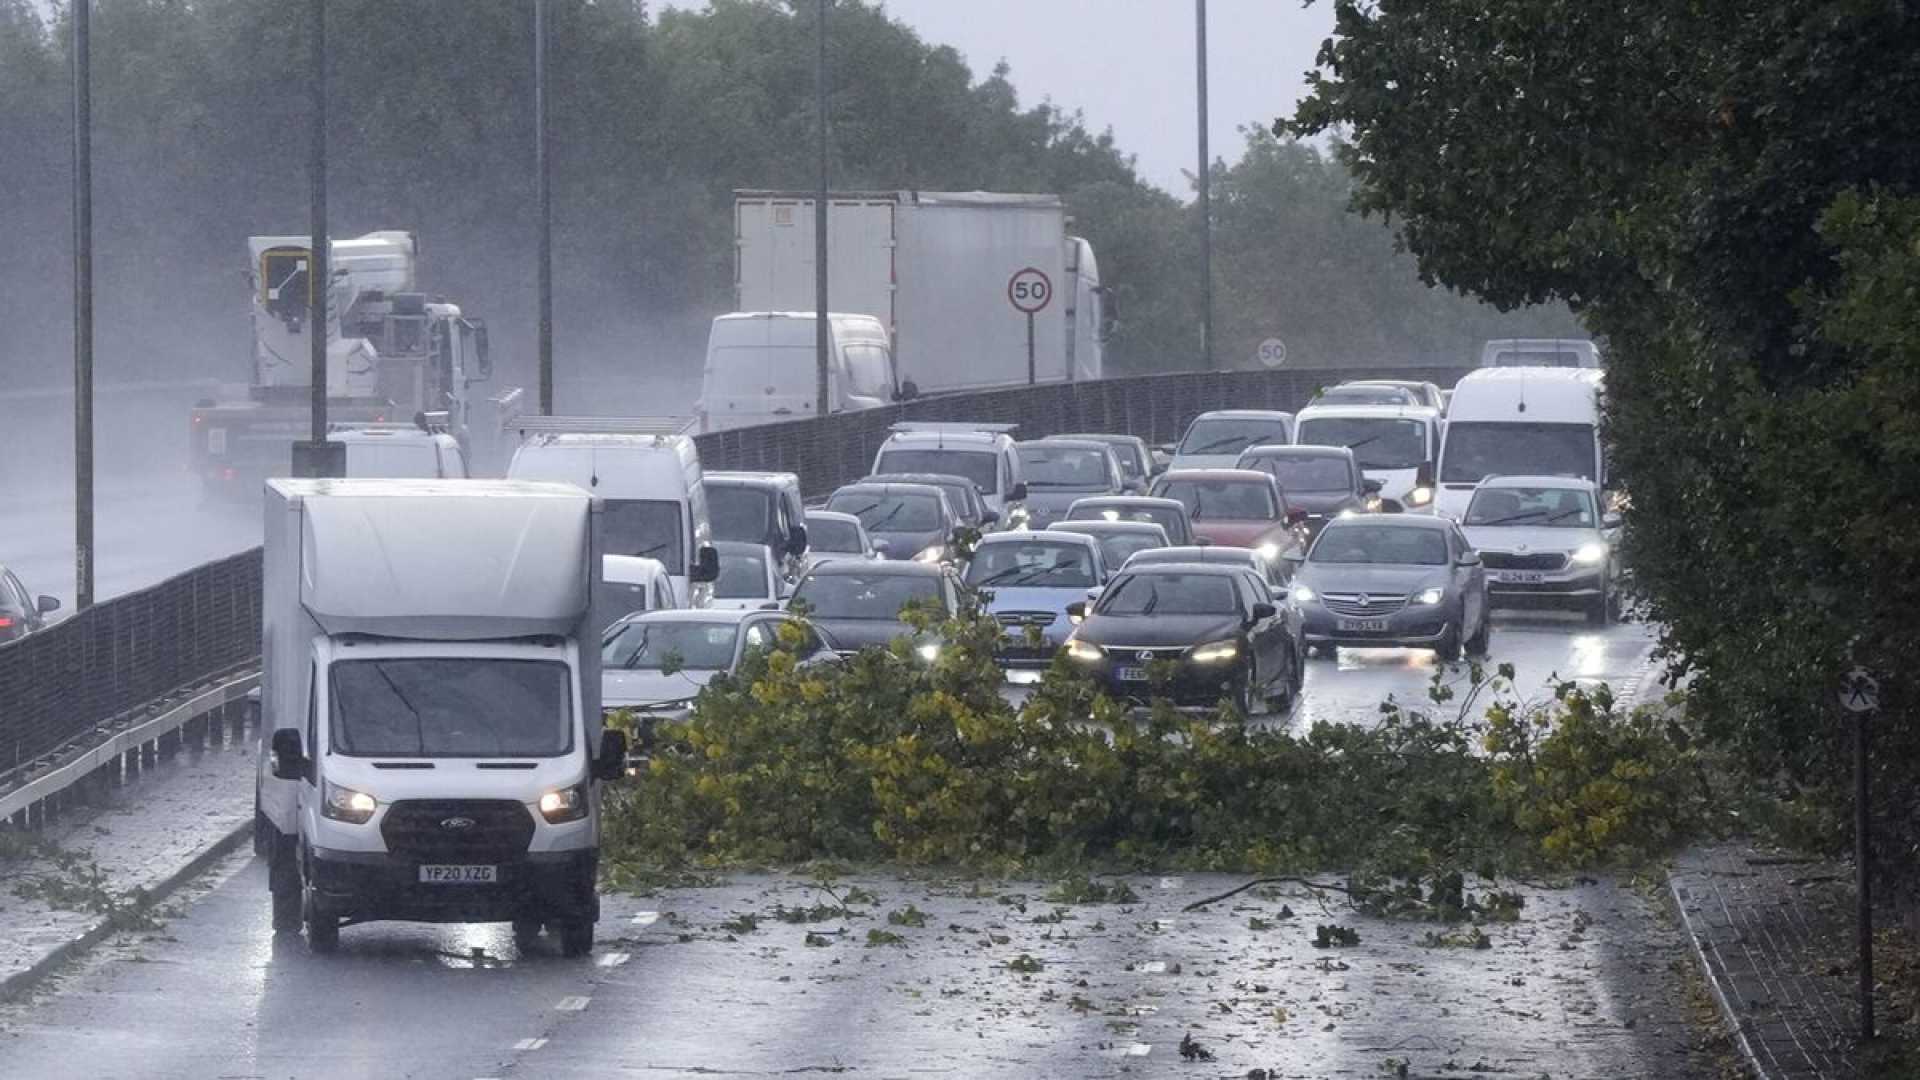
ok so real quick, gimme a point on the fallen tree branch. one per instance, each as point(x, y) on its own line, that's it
point(1257, 882)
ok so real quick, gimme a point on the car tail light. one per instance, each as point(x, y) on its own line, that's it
point(6, 622)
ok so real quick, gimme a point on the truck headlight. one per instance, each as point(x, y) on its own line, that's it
point(931, 554)
point(1590, 554)
point(1214, 652)
point(348, 805)
point(1084, 651)
point(1420, 496)
point(1430, 597)
point(567, 804)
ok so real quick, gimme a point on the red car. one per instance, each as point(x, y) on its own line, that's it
point(1236, 508)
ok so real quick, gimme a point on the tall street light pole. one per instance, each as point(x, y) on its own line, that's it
point(1205, 200)
point(822, 340)
point(317, 457)
point(82, 306)
point(544, 196)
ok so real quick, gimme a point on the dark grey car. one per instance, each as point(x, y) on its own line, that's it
point(858, 604)
point(1394, 580)
point(1324, 481)
point(913, 521)
point(1060, 472)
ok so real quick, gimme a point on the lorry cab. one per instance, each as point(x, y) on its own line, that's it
point(762, 508)
point(655, 495)
point(431, 733)
point(1520, 421)
point(983, 453)
point(395, 451)
point(762, 368)
point(1396, 445)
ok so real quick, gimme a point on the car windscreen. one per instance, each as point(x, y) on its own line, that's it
point(1066, 468)
point(889, 511)
point(1366, 395)
point(739, 513)
point(1169, 594)
point(1164, 516)
point(1117, 548)
point(1377, 442)
point(864, 596)
point(1475, 451)
point(649, 528)
point(1562, 508)
point(1220, 500)
point(612, 599)
point(450, 707)
point(651, 646)
point(1306, 474)
point(1031, 564)
point(742, 577)
point(377, 460)
point(1398, 545)
point(825, 534)
point(979, 466)
point(1228, 435)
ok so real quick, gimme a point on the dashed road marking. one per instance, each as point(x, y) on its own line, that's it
point(646, 918)
point(574, 1003)
point(530, 1044)
point(1139, 1049)
point(1153, 967)
point(612, 959)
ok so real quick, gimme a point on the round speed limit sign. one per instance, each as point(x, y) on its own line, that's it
point(1029, 290)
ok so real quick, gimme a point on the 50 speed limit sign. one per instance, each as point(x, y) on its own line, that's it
point(1029, 290)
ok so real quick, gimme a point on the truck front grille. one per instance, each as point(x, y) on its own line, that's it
point(457, 830)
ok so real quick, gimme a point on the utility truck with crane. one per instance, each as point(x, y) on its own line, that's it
point(394, 354)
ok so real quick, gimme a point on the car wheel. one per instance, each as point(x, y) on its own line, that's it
point(1299, 672)
point(1281, 702)
point(1449, 648)
point(576, 937)
point(323, 926)
point(1482, 640)
point(1600, 609)
point(1244, 697)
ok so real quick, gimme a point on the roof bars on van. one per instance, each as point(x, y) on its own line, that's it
point(433, 423)
point(950, 427)
point(602, 425)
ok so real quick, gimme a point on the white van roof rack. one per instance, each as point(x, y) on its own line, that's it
point(963, 427)
point(603, 425)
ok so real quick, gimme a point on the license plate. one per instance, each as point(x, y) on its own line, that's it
point(1520, 577)
point(216, 440)
point(1133, 674)
point(458, 875)
point(1362, 625)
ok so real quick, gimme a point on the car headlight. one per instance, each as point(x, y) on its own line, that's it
point(1351, 512)
point(1429, 596)
point(1590, 554)
point(1269, 551)
point(567, 804)
point(1420, 496)
point(931, 554)
point(1302, 594)
point(1214, 652)
point(348, 805)
point(1085, 651)
point(929, 651)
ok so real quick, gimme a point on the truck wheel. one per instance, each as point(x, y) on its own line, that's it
point(283, 881)
point(525, 933)
point(323, 926)
point(576, 937)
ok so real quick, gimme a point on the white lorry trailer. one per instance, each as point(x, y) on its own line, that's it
point(431, 742)
point(945, 272)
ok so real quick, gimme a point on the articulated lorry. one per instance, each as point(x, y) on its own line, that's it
point(393, 354)
point(948, 275)
point(432, 746)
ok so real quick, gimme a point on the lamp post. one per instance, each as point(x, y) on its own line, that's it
point(82, 306)
point(822, 340)
point(1205, 195)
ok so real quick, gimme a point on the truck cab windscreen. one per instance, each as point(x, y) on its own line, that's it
point(740, 513)
point(1476, 451)
point(648, 528)
point(450, 707)
point(1377, 443)
point(981, 467)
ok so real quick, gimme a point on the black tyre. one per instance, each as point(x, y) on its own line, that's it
point(323, 926)
point(576, 937)
point(1326, 652)
point(283, 881)
point(525, 933)
point(1600, 609)
point(1449, 648)
point(1482, 641)
point(1244, 697)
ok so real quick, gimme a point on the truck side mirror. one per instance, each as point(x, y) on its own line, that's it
point(482, 361)
point(908, 391)
point(706, 565)
point(1018, 492)
point(612, 760)
point(1423, 476)
point(797, 540)
point(289, 763)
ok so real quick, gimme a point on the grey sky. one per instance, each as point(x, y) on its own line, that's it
point(1129, 64)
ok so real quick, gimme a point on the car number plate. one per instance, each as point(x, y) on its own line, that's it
point(1133, 674)
point(217, 440)
point(1363, 625)
point(459, 875)
point(1520, 577)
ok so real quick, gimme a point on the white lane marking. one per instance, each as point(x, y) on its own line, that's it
point(530, 1044)
point(1153, 967)
point(574, 1003)
point(646, 918)
point(1171, 882)
point(1139, 1049)
point(612, 959)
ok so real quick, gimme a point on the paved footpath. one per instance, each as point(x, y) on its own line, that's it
point(1774, 932)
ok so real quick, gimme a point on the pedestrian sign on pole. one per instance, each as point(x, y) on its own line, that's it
point(1271, 353)
point(1859, 691)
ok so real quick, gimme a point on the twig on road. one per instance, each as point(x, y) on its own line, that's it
point(1257, 882)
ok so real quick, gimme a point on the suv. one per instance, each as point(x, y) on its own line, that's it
point(983, 453)
point(1546, 540)
point(21, 612)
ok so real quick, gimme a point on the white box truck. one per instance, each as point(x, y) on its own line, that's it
point(431, 743)
point(947, 273)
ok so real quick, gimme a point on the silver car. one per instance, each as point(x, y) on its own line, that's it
point(1546, 541)
point(1399, 580)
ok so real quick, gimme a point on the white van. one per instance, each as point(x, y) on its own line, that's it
point(1523, 421)
point(398, 451)
point(656, 505)
point(762, 368)
point(1394, 444)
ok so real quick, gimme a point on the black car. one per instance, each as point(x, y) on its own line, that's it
point(1194, 634)
point(21, 612)
point(1324, 481)
point(906, 521)
point(857, 604)
point(961, 492)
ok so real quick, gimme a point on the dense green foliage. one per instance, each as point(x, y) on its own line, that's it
point(888, 758)
point(201, 140)
point(1727, 192)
